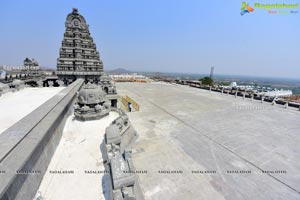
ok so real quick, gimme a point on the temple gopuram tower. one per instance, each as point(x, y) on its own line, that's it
point(78, 56)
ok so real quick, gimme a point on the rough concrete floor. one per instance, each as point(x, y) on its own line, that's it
point(78, 151)
point(229, 141)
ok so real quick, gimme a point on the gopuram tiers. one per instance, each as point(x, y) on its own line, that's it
point(78, 56)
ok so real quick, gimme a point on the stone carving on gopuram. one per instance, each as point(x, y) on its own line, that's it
point(91, 103)
point(107, 85)
point(78, 57)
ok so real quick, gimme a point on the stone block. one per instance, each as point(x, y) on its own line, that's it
point(112, 134)
point(120, 172)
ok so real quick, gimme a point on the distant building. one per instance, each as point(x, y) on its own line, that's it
point(78, 57)
point(265, 91)
point(30, 63)
point(130, 78)
point(278, 93)
point(211, 75)
point(48, 72)
point(233, 84)
point(2, 74)
point(31, 67)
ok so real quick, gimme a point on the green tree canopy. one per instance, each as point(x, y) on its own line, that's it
point(207, 81)
point(224, 83)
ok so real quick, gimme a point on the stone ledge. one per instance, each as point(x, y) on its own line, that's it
point(30, 143)
point(14, 135)
point(120, 136)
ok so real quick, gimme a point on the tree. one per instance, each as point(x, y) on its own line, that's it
point(207, 81)
point(224, 83)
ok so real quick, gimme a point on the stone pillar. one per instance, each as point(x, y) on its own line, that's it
point(252, 96)
point(60, 83)
point(244, 94)
point(262, 98)
point(40, 83)
point(274, 102)
point(222, 91)
point(286, 104)
point(210, 88)
point(235, 95)
point(227, 92)
point(50, 83)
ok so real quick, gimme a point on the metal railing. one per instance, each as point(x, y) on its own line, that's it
point(125, 100)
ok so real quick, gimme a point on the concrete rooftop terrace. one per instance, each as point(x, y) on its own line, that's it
point(196, 144)
point(16, 105)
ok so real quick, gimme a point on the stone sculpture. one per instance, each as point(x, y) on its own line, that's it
point(40, 83)
point(91, 103)
point(50, 83)
point(60, 83)
point(107, 85)
point(119, 137)
point(3, 88)
point(17, 85)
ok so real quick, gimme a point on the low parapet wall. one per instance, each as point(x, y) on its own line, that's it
point(27, 147)
point(245, 94)
point(116, 150)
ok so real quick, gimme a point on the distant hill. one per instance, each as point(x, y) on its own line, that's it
point(119, 71)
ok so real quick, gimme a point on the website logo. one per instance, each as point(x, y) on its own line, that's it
point(271, 8)
point(246, 8)
point(278, 8)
